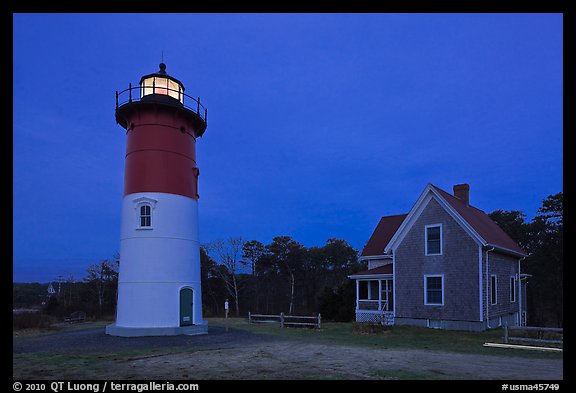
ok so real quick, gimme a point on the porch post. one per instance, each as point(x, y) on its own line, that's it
point(387, 304)
point(369, 289)
point(357, 294)
point(519, 299)
point(379, 295)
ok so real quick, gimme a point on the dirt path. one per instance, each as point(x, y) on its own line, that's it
point(236, 354)
point(285, 360)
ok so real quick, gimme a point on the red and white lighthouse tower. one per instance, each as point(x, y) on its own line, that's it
point(159, 288)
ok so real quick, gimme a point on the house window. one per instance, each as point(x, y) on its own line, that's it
point(145, 216)
point(434, 290)
point(493, 289)
point(512, 289)
point(433, 243)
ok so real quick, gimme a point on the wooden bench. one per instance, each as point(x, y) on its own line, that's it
point(77, 316)
point(540, 332)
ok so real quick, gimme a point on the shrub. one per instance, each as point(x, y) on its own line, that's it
point(369, 328)
point(54, 308)
point(338, 304)
point(32, 321)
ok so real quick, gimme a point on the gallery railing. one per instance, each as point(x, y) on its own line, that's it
point(138, 93)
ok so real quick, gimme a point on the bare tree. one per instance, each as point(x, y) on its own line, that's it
point(99, 277)
point(288, 255)
point(70, 281)
point(227, 254)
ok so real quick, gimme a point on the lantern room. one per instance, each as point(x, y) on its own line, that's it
point(161, 83)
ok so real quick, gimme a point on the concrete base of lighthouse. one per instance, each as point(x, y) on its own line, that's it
point(121, 331)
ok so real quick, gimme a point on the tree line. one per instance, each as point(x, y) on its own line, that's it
point(542, 238)
point(282, 276)
point(95, 294)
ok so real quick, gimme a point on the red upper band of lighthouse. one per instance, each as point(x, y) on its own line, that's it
point(162, 124)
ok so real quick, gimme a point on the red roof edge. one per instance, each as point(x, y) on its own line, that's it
point(386, 228)
point(385, 269)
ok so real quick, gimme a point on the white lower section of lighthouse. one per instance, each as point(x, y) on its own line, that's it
point(159, 283)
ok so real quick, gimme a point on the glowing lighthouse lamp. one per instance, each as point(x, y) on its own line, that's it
point(159, 288)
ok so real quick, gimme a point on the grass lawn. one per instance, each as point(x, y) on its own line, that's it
point(58, 327)
point(398, 337)
point(177, 362)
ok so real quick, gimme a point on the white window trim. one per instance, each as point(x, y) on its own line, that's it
point(513, 284)
point(144, 201)
point(394, 281)
point(426, 238)
point(481, 286)
point(426, 276)
point(494, 300)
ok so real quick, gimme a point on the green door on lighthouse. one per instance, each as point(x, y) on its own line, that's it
point(186, 307)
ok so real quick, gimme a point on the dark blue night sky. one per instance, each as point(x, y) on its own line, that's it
point(318, 124)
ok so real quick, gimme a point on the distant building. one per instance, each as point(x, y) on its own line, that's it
point(445, 264)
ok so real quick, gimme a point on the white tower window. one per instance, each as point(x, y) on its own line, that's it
point(144, 208)
point(145, 216)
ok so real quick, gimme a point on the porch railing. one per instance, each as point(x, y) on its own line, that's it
point(372, 305)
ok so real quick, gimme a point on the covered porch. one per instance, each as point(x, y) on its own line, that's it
point(375, 295)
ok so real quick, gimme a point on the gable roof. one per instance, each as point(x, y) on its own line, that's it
point(474, 221)
point(384, 231)
point(482, 223)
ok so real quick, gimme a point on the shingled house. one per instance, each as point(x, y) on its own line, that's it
point(445, 264)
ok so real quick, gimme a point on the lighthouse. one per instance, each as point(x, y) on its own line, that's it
point(159, 282)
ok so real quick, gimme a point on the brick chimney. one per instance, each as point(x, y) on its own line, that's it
point(462, 192)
